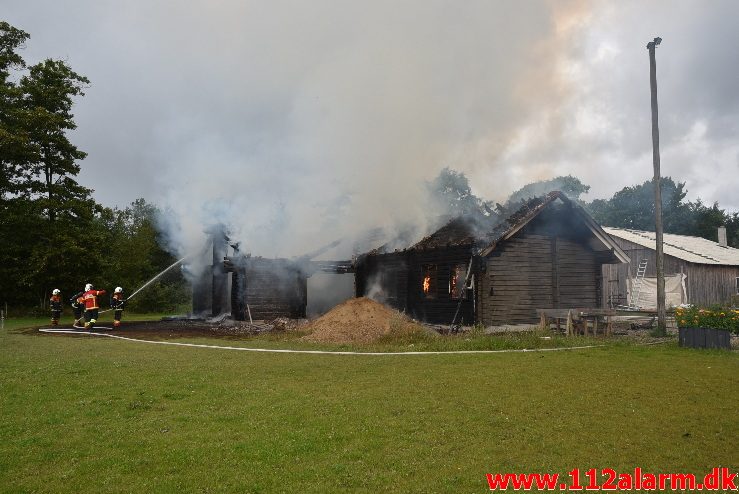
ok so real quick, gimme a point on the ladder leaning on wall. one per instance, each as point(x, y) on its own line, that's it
point(635, 299)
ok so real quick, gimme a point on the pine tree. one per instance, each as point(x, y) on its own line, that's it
point(45, 214)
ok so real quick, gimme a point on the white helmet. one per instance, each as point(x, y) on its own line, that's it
point(118, 290)
point(88, 287)
point(56, 291)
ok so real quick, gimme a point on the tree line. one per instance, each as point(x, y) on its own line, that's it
point(631, 207)
point(54, 234)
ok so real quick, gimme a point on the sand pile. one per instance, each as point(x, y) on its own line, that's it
point(358, 320)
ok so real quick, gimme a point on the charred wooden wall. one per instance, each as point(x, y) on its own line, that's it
point(272, 288)
point(547, 264)
point(706, 284)
point(385, 278)
point(202, 293)
point(397, 280)
point(210, 291)
point(438, 306)
point(210, 288)
point(220, 299)
point(238, 299)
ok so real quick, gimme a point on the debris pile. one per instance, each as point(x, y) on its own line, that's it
point(358, 320)
point(286, 324)
point(228, 326)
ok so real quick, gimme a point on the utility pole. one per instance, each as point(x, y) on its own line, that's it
point(661, 315)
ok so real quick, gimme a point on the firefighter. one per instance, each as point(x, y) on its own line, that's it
point(78, 305)
point(56, 306)
point(90, 298)
point(117, 303)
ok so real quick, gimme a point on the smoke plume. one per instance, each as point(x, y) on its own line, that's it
point(296, 123)
point(338, 121)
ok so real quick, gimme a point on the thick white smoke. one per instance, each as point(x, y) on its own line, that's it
point(300, 122)
point(338, 114)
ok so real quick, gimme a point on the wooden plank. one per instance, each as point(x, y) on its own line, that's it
point(569, 323)
point(555, 273)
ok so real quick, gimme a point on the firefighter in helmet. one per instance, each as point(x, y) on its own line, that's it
point(92, 308)
point(117, 303)
point(78, 305)
point(56, 306)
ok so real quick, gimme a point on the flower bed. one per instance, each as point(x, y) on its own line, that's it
point(714, 317)
point(706, 328)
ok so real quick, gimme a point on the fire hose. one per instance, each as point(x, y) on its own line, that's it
point(148, 283)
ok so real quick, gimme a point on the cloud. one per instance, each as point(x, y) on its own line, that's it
point(599, 128)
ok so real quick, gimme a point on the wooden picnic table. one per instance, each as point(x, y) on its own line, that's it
point(578, 320)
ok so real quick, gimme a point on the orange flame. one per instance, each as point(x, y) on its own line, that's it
point(426, 284)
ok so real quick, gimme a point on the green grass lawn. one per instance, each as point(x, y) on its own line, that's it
point(87, 414)
point(67, 319)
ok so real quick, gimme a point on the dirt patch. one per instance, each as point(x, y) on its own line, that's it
point(152, 329)
point(358, 320)
point(183, 328)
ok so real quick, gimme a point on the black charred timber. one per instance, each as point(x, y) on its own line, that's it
point(220, 300)
point(202, 294)
point(237, 266)
point(238, 296)
point(318, 252)
point(331, 267)
point(271, 287)
point(384, 277)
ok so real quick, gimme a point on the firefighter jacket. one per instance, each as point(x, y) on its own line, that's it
point(55, 302)
point(91, 299)
point(77, 300)
point(117, 302)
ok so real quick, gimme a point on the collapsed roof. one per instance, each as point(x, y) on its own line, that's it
point(483, 233)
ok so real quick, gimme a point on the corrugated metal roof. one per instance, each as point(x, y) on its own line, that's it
point(692, 249)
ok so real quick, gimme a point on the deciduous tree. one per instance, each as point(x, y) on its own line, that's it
point(571, 186)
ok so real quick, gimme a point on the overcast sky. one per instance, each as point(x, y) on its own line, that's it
point(319, 116)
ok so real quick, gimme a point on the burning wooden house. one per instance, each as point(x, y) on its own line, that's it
point(264, 288)
point(546, 255)
point(210, 289)
point(257, 288)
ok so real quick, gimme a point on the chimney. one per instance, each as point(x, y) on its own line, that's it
point(722, 237)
